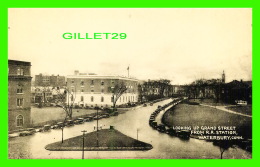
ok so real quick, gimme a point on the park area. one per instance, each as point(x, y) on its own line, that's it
point(108, 140)
point(186, 114)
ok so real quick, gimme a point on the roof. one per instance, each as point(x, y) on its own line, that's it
point(82, 76)
point(18, 62)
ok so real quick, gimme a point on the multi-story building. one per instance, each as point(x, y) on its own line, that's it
point(154, 89)
point(99, 90)
point(19, 93)
point(49, 80)
point(41, 94)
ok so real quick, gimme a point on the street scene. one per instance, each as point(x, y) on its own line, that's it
point(135, 96)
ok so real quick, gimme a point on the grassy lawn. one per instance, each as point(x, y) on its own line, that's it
point(108, 140)
point(242, 109)
point(44, 115)
point(196, 115)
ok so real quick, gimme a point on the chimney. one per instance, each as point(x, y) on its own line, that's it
point(76, 72)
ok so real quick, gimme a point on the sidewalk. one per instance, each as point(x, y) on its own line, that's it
point(226, 110)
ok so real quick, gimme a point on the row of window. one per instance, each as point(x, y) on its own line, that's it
point(121, 99)
point(101, 83)
point(91, 82)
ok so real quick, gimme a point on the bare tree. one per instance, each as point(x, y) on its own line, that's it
point(66, 101)
point(117, 91)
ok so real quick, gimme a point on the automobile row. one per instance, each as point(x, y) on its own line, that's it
point(67, 123)
point(185, 134)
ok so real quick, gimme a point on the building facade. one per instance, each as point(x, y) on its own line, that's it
point(49, 80)
point(90, 90)
point(19, 93)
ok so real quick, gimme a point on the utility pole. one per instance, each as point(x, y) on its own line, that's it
point(128, 70)
point(97, 126)
point(83, 143)
point(137, 133)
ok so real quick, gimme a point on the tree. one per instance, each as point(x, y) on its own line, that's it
point(66, 101)
point(223, 146)
point(117, 91)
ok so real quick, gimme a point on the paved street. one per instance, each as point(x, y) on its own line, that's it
point(164, 146)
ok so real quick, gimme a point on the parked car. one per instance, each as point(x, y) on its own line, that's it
point(185, 134)
point(69, 123)
point(59, 125)
point(154, 124)
point(25, 133)
point(45, 128)
point(31, 130)
point(151, 104)
point(80, 120)
point(161, 128)
point(105, 115)
point(89, 118)
point(150, 121)
point(144, 105)
point(97, 117)
point(114, 113)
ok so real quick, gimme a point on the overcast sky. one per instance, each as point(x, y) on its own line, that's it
point(177, 44)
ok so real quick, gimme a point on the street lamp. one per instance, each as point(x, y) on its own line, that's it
point(83, 143)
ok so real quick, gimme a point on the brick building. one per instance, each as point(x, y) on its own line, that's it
point(19, 93)
point(49, 80)
point(96, 90)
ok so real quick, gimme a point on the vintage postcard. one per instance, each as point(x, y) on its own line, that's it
point(130, 83)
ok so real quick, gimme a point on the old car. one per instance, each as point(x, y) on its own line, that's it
point(45, 128)
point(154, 124)
point(80, 120)
point(105, 115)
point(114, 113)
point(31, 130)
point(69, 123)
point(185, 134)
point(97, 117)
point(151, 120)
point(89, 118)
point(161, 128)
point(59, 125)
point(25, 133)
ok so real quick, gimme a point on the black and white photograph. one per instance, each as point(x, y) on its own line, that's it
point(130, 83)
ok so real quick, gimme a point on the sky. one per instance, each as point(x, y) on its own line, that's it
point(179, 44)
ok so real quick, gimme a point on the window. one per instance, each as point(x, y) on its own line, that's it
point(82, 90)
point(102, 90)
point(102, 82)
point(19, 71)
point(112, 99)
point(71, 97)
point(92, 90)
point(102, 99)
point(82, 82)
point(92, 99)
point(92, 82)
point(19, 120)
point(19, 89)
point(72, 81)
point(19, 102)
